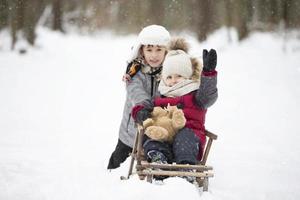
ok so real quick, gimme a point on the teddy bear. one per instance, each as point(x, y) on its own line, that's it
point(164, 123)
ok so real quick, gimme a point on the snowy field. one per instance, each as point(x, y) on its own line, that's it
point(61, 105)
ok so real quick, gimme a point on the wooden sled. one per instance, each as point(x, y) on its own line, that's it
point(147, 170)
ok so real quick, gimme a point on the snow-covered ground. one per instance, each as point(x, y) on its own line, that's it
point(61, 105)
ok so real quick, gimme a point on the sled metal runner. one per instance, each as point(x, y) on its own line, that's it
point(144, 169)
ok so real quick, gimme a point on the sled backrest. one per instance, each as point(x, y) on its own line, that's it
point(211, 137)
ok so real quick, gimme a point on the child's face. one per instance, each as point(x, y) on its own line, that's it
point(154, 55)
point(173, 79)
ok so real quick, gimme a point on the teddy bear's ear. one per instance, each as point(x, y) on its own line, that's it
point(173, 108)
point(158, 111)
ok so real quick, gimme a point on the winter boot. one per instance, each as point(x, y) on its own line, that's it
point(191, 179)
point(159, 158)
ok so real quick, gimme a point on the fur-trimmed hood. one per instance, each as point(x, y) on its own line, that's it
point(178, 43)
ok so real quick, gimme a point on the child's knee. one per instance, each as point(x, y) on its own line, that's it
point(186, 135)
point(186, 147)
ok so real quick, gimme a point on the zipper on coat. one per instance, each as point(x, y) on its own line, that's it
point(153, 74)
point(152, 82)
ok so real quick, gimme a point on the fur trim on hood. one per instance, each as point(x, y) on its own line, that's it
point(180, 43)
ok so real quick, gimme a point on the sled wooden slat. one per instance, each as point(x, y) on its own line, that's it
point(175, 173)
point(145, 164)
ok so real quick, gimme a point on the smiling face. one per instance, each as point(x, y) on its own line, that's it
point(154, 55)
point(173, 79)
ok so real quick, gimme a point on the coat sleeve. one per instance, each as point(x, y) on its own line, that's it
point(137, 90)
point(207, 93)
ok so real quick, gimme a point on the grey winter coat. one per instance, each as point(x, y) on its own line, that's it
point(140, 90)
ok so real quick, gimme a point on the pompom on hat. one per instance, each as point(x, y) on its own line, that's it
point(150, 35)
point(177, 62)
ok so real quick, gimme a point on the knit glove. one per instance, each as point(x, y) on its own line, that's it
point(209, 60)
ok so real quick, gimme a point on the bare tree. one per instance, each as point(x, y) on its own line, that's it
point(241, 18)
point(16, 19)
point(3, 13)
point(156, 11)
point(204, 19)
point(57, 15)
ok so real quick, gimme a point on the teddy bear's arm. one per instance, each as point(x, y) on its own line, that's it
point(157, 133)
point(148, 122)
point(178, 119)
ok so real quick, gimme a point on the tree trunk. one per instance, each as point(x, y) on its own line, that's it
point(16, 19)
point(156, 11)
point(241, 18)
point(57, 15)
point(204, 19)
point(3, 13)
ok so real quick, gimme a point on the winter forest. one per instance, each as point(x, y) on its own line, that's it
point(62, 97)
point(128, 16)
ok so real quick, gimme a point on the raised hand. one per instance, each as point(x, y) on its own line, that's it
point(209, 60)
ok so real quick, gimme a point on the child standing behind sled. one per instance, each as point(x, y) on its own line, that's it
point(143, 72)
point(192, 89)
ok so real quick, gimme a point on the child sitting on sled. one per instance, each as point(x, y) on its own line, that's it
point(193, 89)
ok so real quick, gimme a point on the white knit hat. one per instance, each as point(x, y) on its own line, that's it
point(177, 62)
point(150, 35)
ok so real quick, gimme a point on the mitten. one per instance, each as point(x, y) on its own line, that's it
point(209, 60)
point(141, 113)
